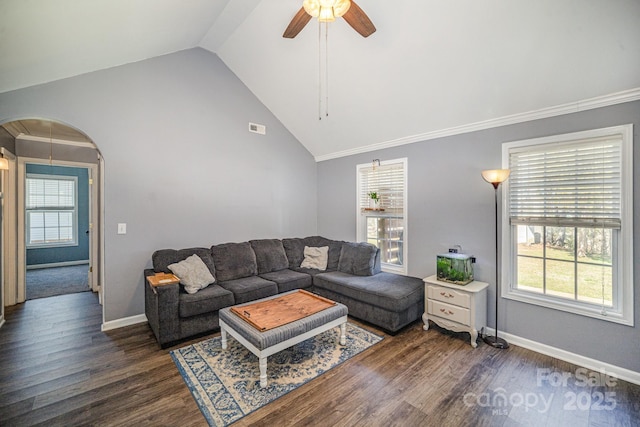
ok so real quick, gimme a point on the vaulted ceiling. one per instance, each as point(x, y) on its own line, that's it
point(432, 65)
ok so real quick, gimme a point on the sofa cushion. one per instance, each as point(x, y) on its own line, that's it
point(234, 261)
point(162, 258)
point(315, 257)
point(389, 291)
point(193, 274)
point(358, 259)
point(250, 288)
point(294, 248)
point(310, 271)
point(270, 255)
point(288, 280)
point(207, 300)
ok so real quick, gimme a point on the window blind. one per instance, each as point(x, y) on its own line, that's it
point(43, 193)
point(575, 184)
point(388, 182)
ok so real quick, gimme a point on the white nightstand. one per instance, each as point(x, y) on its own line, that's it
point(455, 307)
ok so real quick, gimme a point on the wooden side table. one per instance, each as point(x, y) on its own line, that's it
point(455, 307)
point(160, 279)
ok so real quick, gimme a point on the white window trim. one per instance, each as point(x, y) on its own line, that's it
point(75, 241)
point(361, 218)
point(624, 271)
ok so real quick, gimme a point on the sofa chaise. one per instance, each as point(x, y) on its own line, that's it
point(348, 273)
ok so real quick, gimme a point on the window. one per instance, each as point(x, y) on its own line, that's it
point(567, 231)
point(51, 210)
point(382, 219)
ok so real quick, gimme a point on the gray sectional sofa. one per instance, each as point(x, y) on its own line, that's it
point(256, 269)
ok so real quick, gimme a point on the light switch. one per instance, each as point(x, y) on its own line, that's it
point(122, 228)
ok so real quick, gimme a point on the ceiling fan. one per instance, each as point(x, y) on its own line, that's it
point(328, 11)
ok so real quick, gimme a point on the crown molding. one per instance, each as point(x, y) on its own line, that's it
point(32, 138)
point(558, 110)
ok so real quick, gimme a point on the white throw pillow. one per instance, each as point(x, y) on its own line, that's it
point(193, 274)
point(316, 258)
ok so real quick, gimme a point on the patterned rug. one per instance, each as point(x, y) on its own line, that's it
point(226, 383)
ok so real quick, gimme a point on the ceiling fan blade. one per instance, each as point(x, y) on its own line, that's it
point(359, 20)
point(297, 24)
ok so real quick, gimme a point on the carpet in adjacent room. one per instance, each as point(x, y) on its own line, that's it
point(48, 282)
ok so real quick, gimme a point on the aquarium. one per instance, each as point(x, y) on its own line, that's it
point(455, 268)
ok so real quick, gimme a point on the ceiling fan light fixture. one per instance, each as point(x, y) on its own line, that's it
point(326, 10)
point(340, 7)
point(326, 14)
point(312, 7)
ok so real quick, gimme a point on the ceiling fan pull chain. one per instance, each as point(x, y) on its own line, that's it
point(319, 71)
point(326, 68)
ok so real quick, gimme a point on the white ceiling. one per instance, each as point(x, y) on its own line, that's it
point(433, 65)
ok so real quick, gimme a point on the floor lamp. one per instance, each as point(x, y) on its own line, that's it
point(495, 177)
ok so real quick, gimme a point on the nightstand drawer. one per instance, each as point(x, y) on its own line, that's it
point(450, 296)
point(450, 312)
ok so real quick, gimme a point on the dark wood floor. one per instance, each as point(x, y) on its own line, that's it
point(58, 368)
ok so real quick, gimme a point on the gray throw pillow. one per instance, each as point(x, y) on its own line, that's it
point(193, 274)
point(294, 248)
point(358, 259)
point(234, 261)
point(270, 255)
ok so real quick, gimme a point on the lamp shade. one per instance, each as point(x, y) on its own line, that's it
point(496, 176)
point(4, 164)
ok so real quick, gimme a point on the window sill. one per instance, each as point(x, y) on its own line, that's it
point(569, 306)
point(380, 213)
point(388, 268)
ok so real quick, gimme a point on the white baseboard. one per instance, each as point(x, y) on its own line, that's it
point(57, 264)
point(121, 323)
point(586, 362)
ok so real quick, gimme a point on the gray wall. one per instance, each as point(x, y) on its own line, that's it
point(79, 252)
point(7, 140)
point(181, 168)
point(449, 203)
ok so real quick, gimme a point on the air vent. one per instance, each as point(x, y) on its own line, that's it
point(255, 128)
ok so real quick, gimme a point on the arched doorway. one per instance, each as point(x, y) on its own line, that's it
point(33, 143)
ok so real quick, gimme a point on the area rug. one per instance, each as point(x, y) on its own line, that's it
point(226, 383)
